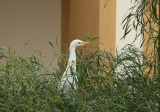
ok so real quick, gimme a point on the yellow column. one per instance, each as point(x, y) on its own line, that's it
point(84, 18)
point(107, 24)
point(89, 17)
point(65, 26)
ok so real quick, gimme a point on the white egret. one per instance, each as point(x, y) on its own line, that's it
point(68, 79)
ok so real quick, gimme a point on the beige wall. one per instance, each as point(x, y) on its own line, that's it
point(89, 17)
point(36, 21)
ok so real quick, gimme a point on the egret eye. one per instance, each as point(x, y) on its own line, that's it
point(79, 42)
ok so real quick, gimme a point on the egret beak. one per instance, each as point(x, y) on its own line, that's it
point(85, 43)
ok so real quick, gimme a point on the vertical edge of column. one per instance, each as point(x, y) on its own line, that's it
point(65, 24)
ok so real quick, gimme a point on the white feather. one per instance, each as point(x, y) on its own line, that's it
point(69, 77)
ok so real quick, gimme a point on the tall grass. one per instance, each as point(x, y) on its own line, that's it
point(106, 83)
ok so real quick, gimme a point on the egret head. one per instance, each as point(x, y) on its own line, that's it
point(76, 43)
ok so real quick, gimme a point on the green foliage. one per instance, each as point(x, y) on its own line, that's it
point(143, 17)
point(106, 83)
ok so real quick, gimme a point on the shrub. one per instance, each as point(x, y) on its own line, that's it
point(105, 83)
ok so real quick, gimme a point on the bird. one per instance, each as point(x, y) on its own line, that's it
point(69, 78)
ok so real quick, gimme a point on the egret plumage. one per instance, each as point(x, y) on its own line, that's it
point(69, 77)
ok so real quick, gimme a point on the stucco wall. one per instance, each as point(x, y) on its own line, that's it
point(36, 21)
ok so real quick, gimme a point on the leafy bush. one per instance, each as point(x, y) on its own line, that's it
point(121, 83)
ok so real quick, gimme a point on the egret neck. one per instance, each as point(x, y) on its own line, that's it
point(68, 79)
point(72, 59)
